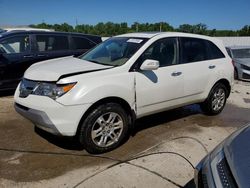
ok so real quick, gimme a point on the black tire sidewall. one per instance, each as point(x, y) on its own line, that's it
point(86, 127)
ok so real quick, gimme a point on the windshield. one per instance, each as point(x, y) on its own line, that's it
point(114, 51)
point(241, 53)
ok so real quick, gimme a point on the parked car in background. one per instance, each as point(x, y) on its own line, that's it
point(97, 96)
point(23, 29)
point(228, 165)
point(20, 49)
point(241, 59)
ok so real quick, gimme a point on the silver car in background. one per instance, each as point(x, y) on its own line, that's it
point(228, 165)
point(241, 59)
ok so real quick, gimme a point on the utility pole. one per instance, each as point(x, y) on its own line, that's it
point(76, 25)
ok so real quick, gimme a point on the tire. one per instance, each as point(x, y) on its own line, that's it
point(104, 129)
point(216, 100)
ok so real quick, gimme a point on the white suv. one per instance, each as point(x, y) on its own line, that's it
point(97, 96)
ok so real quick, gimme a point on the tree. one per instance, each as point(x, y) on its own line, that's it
point(245, 31)
point(110, 29)
point(186, 28)
point(200, 28)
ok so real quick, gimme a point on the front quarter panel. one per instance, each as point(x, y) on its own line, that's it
point(93, 87)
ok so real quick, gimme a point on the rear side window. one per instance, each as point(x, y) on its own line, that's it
point(51, 43)
point(215, 52)
point(80, 43)
point(193, 50)
point(17, 44)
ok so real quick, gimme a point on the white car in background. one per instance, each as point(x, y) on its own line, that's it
point(241, 59)
point(98, 96)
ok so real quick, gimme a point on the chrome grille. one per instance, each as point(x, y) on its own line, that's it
point(225, 174)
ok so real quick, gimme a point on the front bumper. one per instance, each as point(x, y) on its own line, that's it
point(39, 118)
point(50, 115)
point(244, 74)
point(203, 177)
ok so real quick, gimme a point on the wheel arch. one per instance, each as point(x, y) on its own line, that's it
point(125, 105)
point(226, 83)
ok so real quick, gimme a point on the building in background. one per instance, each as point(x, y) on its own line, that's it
point(235, 41)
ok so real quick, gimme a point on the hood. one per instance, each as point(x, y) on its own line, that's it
point(244, 61)
point(237, 151)
point(52, 70)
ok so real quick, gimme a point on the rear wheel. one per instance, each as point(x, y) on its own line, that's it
point(216, 100)
point(104, 129)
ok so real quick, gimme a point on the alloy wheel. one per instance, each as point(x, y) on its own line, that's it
point(218, 99)
point(107, 129)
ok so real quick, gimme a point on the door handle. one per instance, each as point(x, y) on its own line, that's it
point(211, 66)
point(28, 56)
point(176, 73)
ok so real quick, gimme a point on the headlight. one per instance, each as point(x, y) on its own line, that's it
point(52, 90)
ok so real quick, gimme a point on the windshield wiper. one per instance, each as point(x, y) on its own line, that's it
point(97, 62)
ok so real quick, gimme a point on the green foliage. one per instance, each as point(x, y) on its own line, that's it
point(110, 29)
point(245, 31)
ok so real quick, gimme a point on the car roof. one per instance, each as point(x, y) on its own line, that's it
point(9, 33)
point(153, 34)
point(140, 34)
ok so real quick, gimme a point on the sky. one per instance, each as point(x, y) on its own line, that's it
point(216, 14)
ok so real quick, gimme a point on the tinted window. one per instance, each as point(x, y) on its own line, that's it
point(51, 43)
point(241, 53)
point(164, 50)
point(193, 50)
point(82, 43)
point(215, 52)
point(18, 44)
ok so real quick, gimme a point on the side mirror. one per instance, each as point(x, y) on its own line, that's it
point(150, 64)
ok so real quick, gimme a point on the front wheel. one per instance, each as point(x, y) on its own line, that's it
point(216, 100)
point(104, 129)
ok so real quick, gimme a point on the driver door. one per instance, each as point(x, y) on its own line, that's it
point(163, 88)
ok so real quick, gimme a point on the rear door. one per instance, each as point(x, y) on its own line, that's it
point(16, 57)
point(50, 46)
point(199, 66)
